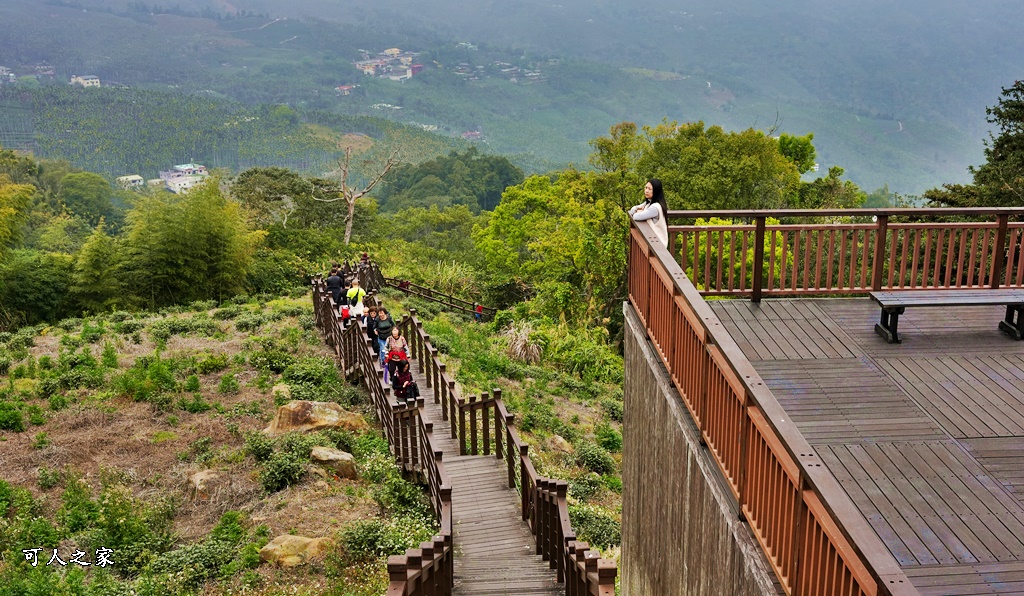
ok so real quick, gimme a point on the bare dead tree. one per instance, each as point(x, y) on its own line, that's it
point(350, 194)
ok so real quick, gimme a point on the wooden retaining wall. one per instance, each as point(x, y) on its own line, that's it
point(681, 531)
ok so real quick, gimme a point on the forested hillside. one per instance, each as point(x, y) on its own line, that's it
point(591, 66)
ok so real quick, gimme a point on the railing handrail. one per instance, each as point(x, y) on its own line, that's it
point(813, 474)
point(859, 212)
point(429, 293)
point(543, 503)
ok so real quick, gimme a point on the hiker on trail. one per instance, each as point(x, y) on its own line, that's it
point(384, 325)
point(355, 298)
point(371, 328)
point(653, 209)
point(404, 386)
point(334, 284)
point(478, 312)
point(397, 348)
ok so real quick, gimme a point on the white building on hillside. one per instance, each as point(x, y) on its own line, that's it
point(182, 177)
point(130, 181)
point(85, 80)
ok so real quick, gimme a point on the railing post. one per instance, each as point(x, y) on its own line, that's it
point(523, 451)
point(498, 435)
point(509, 455)
point(880, 237)
point(799, 515)
point(998, 252)
point(756, 283)
point(462, 427)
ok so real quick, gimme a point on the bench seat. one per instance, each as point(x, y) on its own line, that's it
point(895, 303)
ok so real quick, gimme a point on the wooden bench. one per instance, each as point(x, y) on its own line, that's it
point(896, 302)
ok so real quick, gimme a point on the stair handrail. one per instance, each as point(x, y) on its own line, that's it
point(428, 569)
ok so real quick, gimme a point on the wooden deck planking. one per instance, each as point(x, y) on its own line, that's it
point(926, 437)
point(494, 548)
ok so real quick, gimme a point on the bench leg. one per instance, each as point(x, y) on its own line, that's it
point(1013, 325)
point(888, 325)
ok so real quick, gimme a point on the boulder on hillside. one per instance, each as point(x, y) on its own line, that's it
point(283, 389)
point(308, 416)
point(205, 484)
point(338, 461)
point(291, 551)
point(558, 444)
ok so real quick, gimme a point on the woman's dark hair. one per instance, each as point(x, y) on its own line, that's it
point(658, 196)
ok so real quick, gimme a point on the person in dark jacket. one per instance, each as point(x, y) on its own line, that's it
point(384, 325)
point(405, 388)
point(334, 285)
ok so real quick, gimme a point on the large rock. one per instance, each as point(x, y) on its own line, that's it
point(307, 416)
point(292, 551)
point(338, 461)
point(205, 484)
point(558, 444)
point(283, 389)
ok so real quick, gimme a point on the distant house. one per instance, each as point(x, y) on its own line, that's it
point(472, 135)
point(416, 68)
point(85, 80)
point(392, 52)
point(345, 89)
point(399, 74)
point(182, 177)
point(131, 181)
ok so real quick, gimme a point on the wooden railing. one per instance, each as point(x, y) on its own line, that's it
point(482, 426)
point(429, 568)
point(449, 301)
point(869, 250)
point(814, 537)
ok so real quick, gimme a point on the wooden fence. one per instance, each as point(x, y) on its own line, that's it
point(813, 535)
point(482, 426)
point(892, 249)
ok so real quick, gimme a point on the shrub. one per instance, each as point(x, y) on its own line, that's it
point(228, 384)
point(69, 324)
point(612, 407)
point(58, 402)
point(281, 469)
point(129, 327)
point(48, 478)
point(92, 333)
point(11, 417)
point(35, 415)
point(192, 383)
point(594, 458)
point(594, 525)
point(608, 438)
point(228, 312)
point(249, 322)
point(5, 365)
point(316, 370)
point(585, 486)
point(293, 310)
point(109, 356)
point(273, 360)
point(260, 446)
point(373, 538)
point(202, 305)
point(196, 405)
point(119, 316)
point(210, 363)
point(300, 445)
point(40, 441)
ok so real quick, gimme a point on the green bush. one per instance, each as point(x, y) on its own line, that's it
point(594, 458)
point(228, 312)
point(612, 407)
point(300, 445)
point(228, 384)
point(11, 417)
point(280, 470)
point(258, 445)
point(250, 322)
point(374, 538)
point(119, 316)
point(211, 363)
point(585, 486)
point(92, 333)
point(595, 526)
point(48, 477)
point(129, 327)
point(202, 305)
point(109, 356)
point(5, 365)
point(314, 370)
point(196, 405)
point(273, 360)
point(608, 438)
point(192, 383)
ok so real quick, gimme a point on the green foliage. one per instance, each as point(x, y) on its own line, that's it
point(35, 287)
point(608, 438)
point(228, 384)
point(88, 195)
point(188, 247)
point(14, 202)
point(11, 417)
point(367, 539)
point(210, 363)
point(595, 526)
point(260, 446)
point(613, 408)
point(109, 355)
point(469, 179)
point(196, 405)
point(96, 282)
point(228, 312)
point(584, 487)
point(192, 383)
point(313, 370)
point(48, 477)
point(272, 359)
point(249, 322)
point(149, 377)
point(300, 445)
point(594, 458)
point(280, 470)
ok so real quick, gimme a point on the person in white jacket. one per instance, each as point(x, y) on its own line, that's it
point(653, 209)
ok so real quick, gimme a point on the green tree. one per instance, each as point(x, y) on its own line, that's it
point(88, 195)
point(188, 247)
point(999, 182)
point(96, 282)
point(829, 192)
point(799, 150)
point(14, 202)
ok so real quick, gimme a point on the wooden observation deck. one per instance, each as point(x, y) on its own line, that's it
point(862, 467)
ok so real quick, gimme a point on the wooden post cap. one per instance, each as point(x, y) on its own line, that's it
point(606, 571)
point(396, 567)
point(414, 557)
